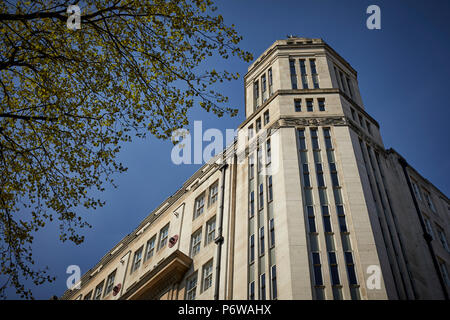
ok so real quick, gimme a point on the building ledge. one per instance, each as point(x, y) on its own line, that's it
point(169, 271)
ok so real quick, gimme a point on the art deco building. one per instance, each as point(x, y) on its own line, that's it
point(309, 206)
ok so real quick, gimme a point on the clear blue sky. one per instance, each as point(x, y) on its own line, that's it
point(403, 71)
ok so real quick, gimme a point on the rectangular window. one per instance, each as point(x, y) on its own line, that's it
point(269, 189)
point(298, 105)
point(416, 191)
point(318, 281)
point(150, 248)
point(342, 81)
point(273, 278)
point(353, 114)
point(261, 241)
point(88, 296)
point(264, 87)
point(137, 259)
point(272, 232)
point(251, 132)
point(258, 124)
point(196, 240)
point(251, 169)
point(251, 291)
point(430, 202)
point(314, 139)
point(303, 74)
point(199, 205)
point(252, 204)
point(444, 272)
point(309, 105)
point(321, 104)
point(191, 287)
point(293, 74)
point(256, 94)
point(314, 74)
point(428, 226)
point(301, 138)
point(369, 129)
point(266, 117)
point(98, 291)
point(268, 152)
point(110, 283)
point(350, 87)
point(252, 248)
point(213, 193)
point(270, 81)
point(163, 235)
point(350, 268)
point(333, 268)
point(210, 230)
point(261, 196)
point(262, 289)
point(361, 121)
point(207, 275)
point(442, 238)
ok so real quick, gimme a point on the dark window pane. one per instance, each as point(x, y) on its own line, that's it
point(342, 223)
point(327, 224)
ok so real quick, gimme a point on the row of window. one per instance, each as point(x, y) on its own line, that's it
point(303, 73)
point(206, 283)
point(199, 206)
point(344, 82)
point(315, 257)
point(258, 125)
point(196, 237)
point(309, 105)
point(262, 285)
point(365, 124)
point(265, 90)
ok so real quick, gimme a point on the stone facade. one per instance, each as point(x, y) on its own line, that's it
point(310, 205)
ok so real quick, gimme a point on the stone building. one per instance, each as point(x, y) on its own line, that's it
point(307, 205)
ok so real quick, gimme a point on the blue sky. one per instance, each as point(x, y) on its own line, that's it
point(403, 72)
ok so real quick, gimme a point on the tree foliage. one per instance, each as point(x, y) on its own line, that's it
point(69, 98)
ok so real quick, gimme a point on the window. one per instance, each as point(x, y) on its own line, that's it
point(251, 169)
point(88, 296)
point(428, 226)
point(262, 289)
point(303, 74)
point(256, 94)
point(314, 139)
point(333, 268)
point(110, 283)
point(269, 189)
point(321, 104)
point(98, 291)
point(293, 74)
point(309, 105)
point(273, 278)
point(213, 192)
point(261, 196)
point(442, 238)
point(258, 124)
point(350, 87)
point(264, 87)
point(361, 122)
point(268, 152)
point(298, 105)
point(252, 248)
point(266, 117)
point(342, 81)
point(350, 268)
point(207, 275)
point(430, 202)
point(137, 259)
point(199, 205)
point(444, 272)
point(196, 240)
point(301, 138)
point(317, 269)
point(251, 132)
point(416, 190)
point(252, 204)
point(337, 78)
point(314, 75)
point(210, 231)
point(150, 248)
point(251, 291)
point(272, 232)
point(163, 235)
point(261, 241)
point(191, 287)
point(353, 114)
point(269, 72)
point(369, 129)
